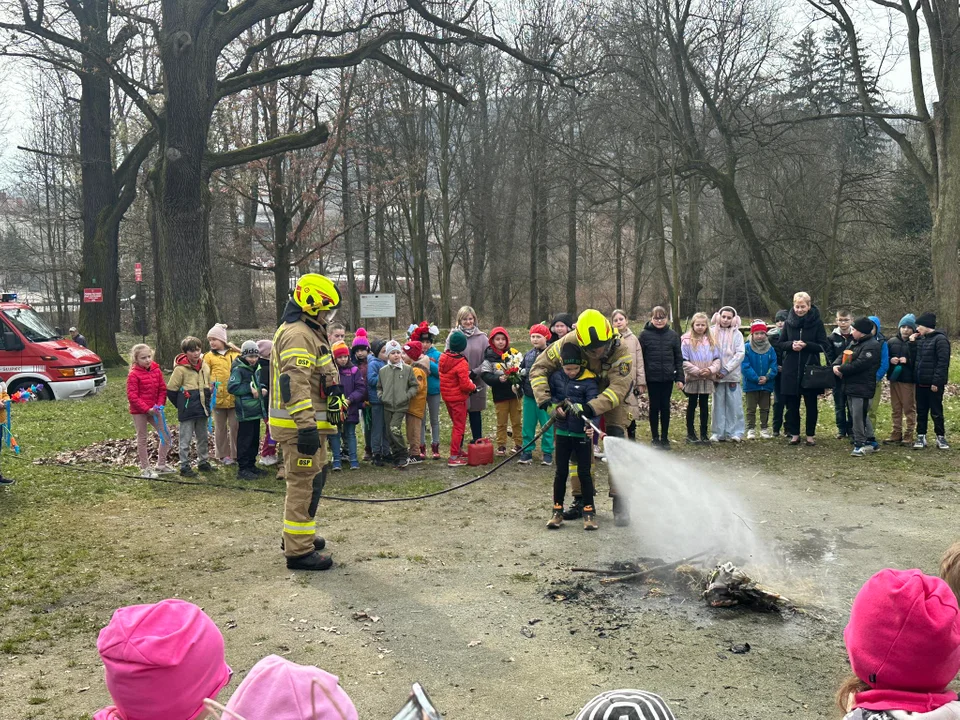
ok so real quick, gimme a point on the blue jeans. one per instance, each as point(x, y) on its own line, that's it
point(347, 437)
point(728, 419)
point(378, 431)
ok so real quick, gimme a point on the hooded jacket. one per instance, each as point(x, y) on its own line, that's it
point(421, 371)
point(565, 318)
point(188, 388)
point(529, 358)
point(581, 389)
point(884, 349)
point(632, 343)
point(731, 345)
point(477, 345)
point(933, 359)
point(860, 372)
point(433, 379)
point(145, 389)
point(662, 357)
point(755, 366)
point(698, 355)
point(837, 343)
point(242, 376)
point(354, 381)
point(901, 348)
point(808, 328)
point(494, 367)
point(374, 365)
point(455, 383)
point(221, 365)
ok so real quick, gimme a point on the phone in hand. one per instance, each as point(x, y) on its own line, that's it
point(418, 707)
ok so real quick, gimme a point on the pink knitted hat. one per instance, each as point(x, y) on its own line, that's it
point(265, 347)
point(218, 332)
point(277, 689)
point(360, 339)
point(903, 640)
point(161, 661)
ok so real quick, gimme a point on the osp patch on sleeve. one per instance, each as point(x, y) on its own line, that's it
point(303, 362)
point(624, 368)
point(305, 462)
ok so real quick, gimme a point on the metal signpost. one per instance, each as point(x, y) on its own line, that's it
point(381, 305)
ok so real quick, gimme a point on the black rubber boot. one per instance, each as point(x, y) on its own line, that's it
point(313, 561)
point(318, 543)
point(5, 481)
point(621, 512)
point(575, 510)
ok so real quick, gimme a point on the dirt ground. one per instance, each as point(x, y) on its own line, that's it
point(470, 594)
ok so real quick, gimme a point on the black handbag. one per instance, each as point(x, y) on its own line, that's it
point(818, 377)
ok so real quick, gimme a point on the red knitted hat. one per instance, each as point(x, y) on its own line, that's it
point(758, 326)
point(540, 329)
point(413, 349)
point(340, 349)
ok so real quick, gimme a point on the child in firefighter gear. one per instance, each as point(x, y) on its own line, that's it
point(306, 401)
point(613, 366)
point(246, 385)
point(396, 386)
point(571, 389)
point(219, 361)
point(188, 389)
point(456, 387)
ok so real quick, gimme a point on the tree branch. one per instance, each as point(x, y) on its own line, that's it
point(251, 153)
point(233, 23)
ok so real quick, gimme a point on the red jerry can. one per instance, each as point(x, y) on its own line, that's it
point(480, 452)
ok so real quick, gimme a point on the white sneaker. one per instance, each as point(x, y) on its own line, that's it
point(163, 470)
point(921, 442)
point(597, 452)
point(766, 433)
point(714, 438)
point(226, 461)
point(737, 439)
point(149, 474)
point(269, 460)
point(751, 435)
point(942, 443)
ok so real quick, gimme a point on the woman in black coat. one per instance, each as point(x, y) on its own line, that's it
point(802, 340)
point(663, 366)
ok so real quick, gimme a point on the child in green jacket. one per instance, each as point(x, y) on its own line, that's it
point(246, 386)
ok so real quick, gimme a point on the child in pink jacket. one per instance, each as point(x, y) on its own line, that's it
point(146, 392)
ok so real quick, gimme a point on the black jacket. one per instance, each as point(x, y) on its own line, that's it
point(933, 359)
point(860, 373)
point(662, 358)
point(808, 328)
point(836, 344)
point(580, 390)
point(501, 391)
point(902, 348)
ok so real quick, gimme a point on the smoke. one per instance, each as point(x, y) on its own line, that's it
point(679, 509)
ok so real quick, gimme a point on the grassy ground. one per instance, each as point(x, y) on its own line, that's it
point(76, 545)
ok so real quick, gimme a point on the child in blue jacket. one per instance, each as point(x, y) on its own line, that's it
point(378, 430)
point(572, 387)
point(759, 368)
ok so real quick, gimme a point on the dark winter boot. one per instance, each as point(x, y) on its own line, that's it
point(318, 543)
point(621, 512)
point(575, 511)
point(5, 481)
point(313, 561)
point(435, 447)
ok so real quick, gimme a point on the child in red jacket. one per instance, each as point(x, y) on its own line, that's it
point(455, 387)
point(147, 394)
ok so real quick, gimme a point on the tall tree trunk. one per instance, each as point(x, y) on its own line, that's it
point(248, 308)
point(572, 198)
point(641, 233)
point(353, 300)
point(282, 260)
point(618, 248)
point(691, 256)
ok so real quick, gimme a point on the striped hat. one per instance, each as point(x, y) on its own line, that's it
point(626, 705)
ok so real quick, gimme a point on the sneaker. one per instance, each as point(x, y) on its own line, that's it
point(354, 466)
point(245, 474)
point(738, 438)
point(312, 561)
point(621, 512)
point(378, 461)
point(502, 450)
point(204, 466)
point(858, 452)
point(547, 459)
point(776, 433)
point(163, 470)
point(597, 452)
point(874, 444)
point(337, 466)
point(840, 436)
point(664, 445)
point(556, 520)
point(575, 510)
point(423, 452)
point(751, 435)
point(692, 439)
point(269, 460)
point(714, 438)
point(187, 471)
point(402, 464)
point(148, 474)
point(414, 459)
point(226, 461)
point(589, 518)
point(517, 450)
point(258, 472)
point(367, 455)
point(6, 482)
point(435, 449)
point(706, 439)
point(942, 442)
point(525, 458)
point(765, 433)
point(457, 461)
point(893, 440)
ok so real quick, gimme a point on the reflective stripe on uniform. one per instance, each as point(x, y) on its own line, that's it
point(540, 380)
point(297, 352)
point(300, 528)
point(281, 418)
point(324, 360)
point(611, 396)
point(300, 406)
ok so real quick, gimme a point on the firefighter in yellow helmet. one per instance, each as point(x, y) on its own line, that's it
point(612, 363)
point(306, 402)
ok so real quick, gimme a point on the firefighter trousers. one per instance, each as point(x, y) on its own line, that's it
point(305, 476)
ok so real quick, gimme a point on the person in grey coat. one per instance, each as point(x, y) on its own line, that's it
point(477, 343)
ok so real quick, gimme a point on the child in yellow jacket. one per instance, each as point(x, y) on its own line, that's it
point(219, 360)
point(413, 356)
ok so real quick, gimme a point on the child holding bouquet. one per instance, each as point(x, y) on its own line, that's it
point(501, 371)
